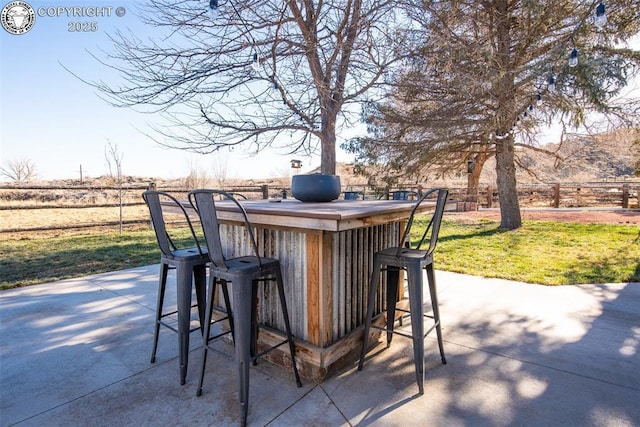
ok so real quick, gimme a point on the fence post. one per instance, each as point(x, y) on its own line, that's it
point(265, 191)
point(625, 196)
point(556, 195)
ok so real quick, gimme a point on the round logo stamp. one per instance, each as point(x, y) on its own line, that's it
point(17, 17)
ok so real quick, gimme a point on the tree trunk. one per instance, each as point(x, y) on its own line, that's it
point(328, 148)
point(473, 178)
point(505, 163)
point(472, 188)
point(507, 190)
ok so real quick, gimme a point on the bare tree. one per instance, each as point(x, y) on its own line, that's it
point(197, 177)
point(19, 170)
point(114, 161)
point(261, 74)
point(219, 168)
point(482, 85)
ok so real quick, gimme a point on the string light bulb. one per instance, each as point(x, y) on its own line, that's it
point(599, 21)
point(256, 62)
point(213, 5)
point(601, 16)
point(573, 58)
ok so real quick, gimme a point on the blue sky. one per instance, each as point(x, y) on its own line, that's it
point(54, 120)
point(49, 117)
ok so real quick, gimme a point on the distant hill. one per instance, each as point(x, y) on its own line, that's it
point(578, 158)
point(610, 156)
point(588, 158)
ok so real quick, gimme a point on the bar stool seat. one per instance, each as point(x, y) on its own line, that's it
point(413, 261)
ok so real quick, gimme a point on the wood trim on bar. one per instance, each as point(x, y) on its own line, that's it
point(325, 293)
point(313, 287)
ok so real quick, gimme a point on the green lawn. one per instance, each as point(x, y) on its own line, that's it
point(552, 253)
point(31, 261)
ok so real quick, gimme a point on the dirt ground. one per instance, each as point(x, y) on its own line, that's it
point(593, 216)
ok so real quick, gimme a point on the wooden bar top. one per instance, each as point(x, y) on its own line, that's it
point(338, 215)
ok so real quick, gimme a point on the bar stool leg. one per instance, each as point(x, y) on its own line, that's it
point(287, 324)
point(200, 283)
point(436, 311)
point(373, 288)
point(184, 278)
point(164, 268)
point(393, 277)
point(225, 295)
point(207, 330)
point(414, 277)
point(242, 306)
point(254, 321)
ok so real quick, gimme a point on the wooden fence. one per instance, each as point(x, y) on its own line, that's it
point(573, 195)
point(69, 199)
point(624, 195)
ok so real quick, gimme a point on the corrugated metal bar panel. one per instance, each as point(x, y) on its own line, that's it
point(353, 257)
point(289, 248)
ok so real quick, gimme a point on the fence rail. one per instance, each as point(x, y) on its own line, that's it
point(31, 207)
point(75, 201)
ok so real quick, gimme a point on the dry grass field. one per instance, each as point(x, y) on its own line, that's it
point(44, 222)
point(46, 206)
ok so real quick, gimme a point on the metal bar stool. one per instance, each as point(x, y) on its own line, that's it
point(413, 261)
point(403, 195)
point(244, 273)
point(189, 263)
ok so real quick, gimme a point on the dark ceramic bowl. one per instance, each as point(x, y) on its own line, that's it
point(316, 187)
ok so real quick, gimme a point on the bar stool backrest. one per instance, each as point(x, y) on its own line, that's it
point(433, 228)
point(158, 201)
point(204, 202)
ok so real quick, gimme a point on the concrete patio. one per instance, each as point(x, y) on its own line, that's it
point(76, 352)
